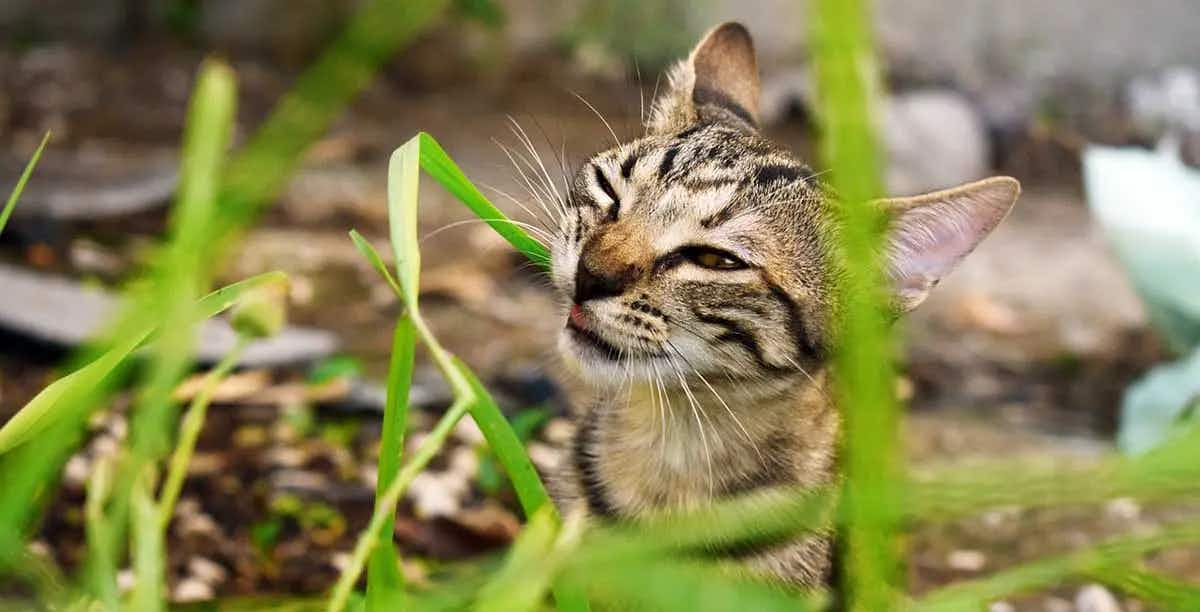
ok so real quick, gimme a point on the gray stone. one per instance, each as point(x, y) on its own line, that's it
point(60, 311)
point(934, 139)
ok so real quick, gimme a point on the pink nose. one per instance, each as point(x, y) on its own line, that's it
point(577, 317)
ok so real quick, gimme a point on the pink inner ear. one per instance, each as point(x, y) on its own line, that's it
point(927, 239)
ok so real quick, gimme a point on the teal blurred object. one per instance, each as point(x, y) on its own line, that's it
point(1148, 203)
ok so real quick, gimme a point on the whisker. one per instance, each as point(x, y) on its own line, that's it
point(696, 410)
point(745, 432)
point(547, 180)
point(537, 231)
point(616, 141)
point(540, 219)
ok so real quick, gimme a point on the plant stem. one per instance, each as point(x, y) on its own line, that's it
point(189, 432)
point(385, 506)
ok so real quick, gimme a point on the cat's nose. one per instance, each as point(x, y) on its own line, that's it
point(593, 285)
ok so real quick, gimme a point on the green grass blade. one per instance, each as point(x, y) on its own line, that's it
point(376, 261)
point(524, 580)
point(403, 183)
point(507, 446)
point(45, 408)
point(846, 79)
point(345, 68)
point(20, 186)
point(385, 583)
point(442, 168)
point(975, 594)
point(1163, 591)
point(386, 502)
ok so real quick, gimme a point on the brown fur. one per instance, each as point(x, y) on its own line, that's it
point(699, 261)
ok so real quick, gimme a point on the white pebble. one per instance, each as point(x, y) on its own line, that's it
point(192, 589)
point(966, 560)
point(1095, 598)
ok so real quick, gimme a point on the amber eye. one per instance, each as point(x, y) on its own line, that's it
point(713, 259)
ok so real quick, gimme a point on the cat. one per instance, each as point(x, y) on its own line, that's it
point(697, 265)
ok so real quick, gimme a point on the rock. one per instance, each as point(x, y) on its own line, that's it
point(934, 139)
point(1095, 598)
point(1001, 606)
point(63, 312)
point(190, 590)
point(966, 560)
point(93, 186)
point(783, 92)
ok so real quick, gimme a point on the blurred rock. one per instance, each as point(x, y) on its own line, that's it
point(966, 560)
point(97, 185)
point(191, 590)
point(63, 312)
point(1095, 598)
point(934, 139)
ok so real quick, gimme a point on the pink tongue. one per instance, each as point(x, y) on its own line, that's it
point(577, 316)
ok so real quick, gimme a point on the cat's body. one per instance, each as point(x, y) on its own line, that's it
point(699, 265)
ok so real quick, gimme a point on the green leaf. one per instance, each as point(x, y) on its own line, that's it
point(438, 164)
point(20, 186)
point(385, 583)
point(524, 580)
point(333, 368)
point(505, 445)
point(43, 410)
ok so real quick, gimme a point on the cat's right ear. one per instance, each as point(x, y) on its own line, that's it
point(726, 86)
point(717, 83)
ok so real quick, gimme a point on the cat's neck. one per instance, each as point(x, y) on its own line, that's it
point(679, 445)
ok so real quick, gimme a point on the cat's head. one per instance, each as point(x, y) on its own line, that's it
point(703, 247)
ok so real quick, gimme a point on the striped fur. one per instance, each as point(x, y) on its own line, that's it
point(699, 262)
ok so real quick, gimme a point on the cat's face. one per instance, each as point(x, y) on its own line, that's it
point(702, 249)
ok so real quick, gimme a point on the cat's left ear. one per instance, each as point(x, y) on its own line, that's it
point(726, 86)
point(928, 235)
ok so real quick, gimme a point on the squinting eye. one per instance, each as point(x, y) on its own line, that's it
point(713, 259)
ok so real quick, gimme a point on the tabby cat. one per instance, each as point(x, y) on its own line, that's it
point(698, 267)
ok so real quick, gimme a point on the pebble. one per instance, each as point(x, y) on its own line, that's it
point(76, 471)
point(966, 560)
point(468, 432)
point(191, 590)
point(1095, 598)
point(431, 497)
point(206, 570)
point(1001, 606)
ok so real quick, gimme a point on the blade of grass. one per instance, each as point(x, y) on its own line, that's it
point(442, 168)
point(975, 594)
point(345, 68)
point(20, 186)
point(533, 560)
point(1163, 591)
point(369, 538)
point(189, 432)
point(385, 583)
point(45, 407)
point(177, 280)
point(846, 73)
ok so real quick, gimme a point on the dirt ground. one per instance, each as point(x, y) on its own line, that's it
point(1024, 350)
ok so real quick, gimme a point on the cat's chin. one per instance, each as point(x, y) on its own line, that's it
point(601, 364)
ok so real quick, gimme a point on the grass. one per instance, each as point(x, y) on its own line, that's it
point(655, 562)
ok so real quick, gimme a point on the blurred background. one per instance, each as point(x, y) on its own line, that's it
point(1027, 349)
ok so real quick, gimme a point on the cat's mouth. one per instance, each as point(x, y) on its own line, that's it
point(585, 334)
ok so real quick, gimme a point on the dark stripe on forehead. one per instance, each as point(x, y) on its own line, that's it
point(668, 162)
point(770, 173)
point(684, 135)
point(721, 216)
point(628, 164)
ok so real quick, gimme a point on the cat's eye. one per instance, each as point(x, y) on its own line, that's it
point(712, 258)
point(602, 182)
